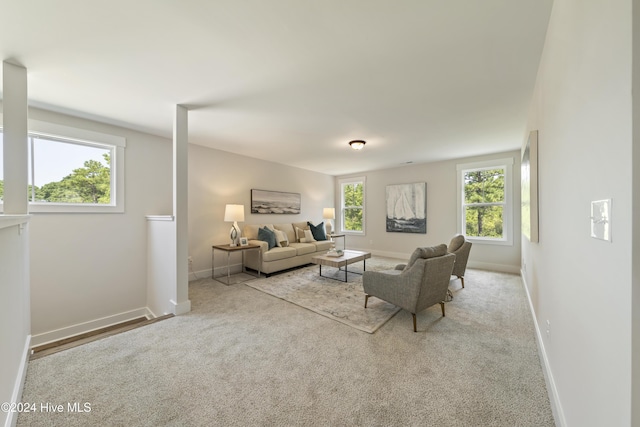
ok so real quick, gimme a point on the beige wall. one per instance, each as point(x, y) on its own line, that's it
point(217, 178)
point(88, 267)
point(580, 285)
point(441, 179)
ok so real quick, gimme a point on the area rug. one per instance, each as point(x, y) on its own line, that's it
point(337, 300)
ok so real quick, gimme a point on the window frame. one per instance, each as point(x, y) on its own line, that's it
point(507, 218)
point(72, 135)
point(341, 184)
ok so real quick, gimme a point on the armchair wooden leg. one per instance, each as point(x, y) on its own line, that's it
point(414, 322)
point(462, 280)
point(366, 298)
point(442, 305)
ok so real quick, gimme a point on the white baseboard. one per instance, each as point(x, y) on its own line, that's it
point(220, 271)
point(89, 326)
point(16, 396)
point(556, 406)
point(503, 268)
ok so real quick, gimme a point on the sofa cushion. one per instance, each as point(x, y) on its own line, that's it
point(268, 236)
point(318, 231)
point(279, 253)
point(303, 248)
point(281, 239)
point(324, 245)
point(289, 231)
point(250, 231)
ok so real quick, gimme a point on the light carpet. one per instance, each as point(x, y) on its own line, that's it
point(244, 358)
point(335, 299)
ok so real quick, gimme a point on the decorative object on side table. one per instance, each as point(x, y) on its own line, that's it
point(234, 213)
point(328, 214)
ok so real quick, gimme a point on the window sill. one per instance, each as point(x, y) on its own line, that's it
point(485, 241)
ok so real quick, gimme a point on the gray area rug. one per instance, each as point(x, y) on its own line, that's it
point(244, 358)
point(333, 298)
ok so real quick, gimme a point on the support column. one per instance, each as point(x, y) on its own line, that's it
point(180, 208)
point(15, 128)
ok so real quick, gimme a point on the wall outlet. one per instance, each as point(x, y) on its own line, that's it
point(548, 327)
point(190, 259)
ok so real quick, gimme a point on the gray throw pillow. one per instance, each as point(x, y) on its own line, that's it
point(317, 231)
point(268, 236)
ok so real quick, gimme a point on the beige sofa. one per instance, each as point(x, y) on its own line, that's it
point(297, 253)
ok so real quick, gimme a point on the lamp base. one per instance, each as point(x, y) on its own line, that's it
point(234, 234)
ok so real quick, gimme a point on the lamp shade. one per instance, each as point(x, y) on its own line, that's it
point(328, 213)
point(234, 213)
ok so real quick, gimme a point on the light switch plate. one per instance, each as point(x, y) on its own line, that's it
point(601, 219)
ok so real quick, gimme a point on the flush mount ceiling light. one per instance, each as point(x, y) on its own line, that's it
point(357, 144)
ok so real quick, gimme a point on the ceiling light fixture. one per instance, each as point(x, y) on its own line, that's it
point(357, 144)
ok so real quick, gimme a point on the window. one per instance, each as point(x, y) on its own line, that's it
point(484, 194)
point(352, 205)
point(74, 170)
point(1, 168)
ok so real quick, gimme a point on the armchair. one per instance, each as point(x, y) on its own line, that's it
point(419, 284)
point(461, 248)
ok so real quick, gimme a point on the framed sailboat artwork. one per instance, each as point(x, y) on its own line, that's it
point(407, 208)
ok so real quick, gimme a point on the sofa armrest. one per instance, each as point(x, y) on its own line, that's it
point(264, 246)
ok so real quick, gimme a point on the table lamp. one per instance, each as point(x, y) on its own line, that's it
point(329, 214)
point(234, 213)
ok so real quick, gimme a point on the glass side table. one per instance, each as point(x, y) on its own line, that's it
point(229, 250)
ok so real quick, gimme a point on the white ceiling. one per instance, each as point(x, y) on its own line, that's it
point(291, 81)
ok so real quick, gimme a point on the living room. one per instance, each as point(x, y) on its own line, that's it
point(584, 111)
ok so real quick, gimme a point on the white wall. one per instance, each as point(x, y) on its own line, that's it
point(14, 310)
point(217, 178)
point(89, 270)
point(441, 179)
point(582, 286)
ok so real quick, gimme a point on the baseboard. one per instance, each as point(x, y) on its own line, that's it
point(554, 399)
point(12, 417)
point(92, 325)
point(502, 268)
point(219, 271)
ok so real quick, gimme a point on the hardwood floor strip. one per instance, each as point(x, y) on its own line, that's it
point(67, 343)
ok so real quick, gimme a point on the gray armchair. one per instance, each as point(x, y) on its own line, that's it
point(461, 249)
point(419, 284)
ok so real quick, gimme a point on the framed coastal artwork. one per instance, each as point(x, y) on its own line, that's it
point(274, 202)
point(529, 188)
point(407, 208)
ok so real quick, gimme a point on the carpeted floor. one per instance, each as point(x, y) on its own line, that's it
point(246, 358)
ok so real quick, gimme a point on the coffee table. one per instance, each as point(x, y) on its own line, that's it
point(348, 257)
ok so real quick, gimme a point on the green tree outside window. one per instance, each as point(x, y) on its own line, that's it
point(353, 206)
point(484, 202)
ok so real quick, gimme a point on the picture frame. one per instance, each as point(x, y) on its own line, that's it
point(244, 241)
point(275, 202)
point(407, 208)
point(529, 188)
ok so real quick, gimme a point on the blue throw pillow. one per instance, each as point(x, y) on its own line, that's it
point(268, 236)
point(318, 231)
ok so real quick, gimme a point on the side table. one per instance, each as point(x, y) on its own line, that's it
point(229, 249)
